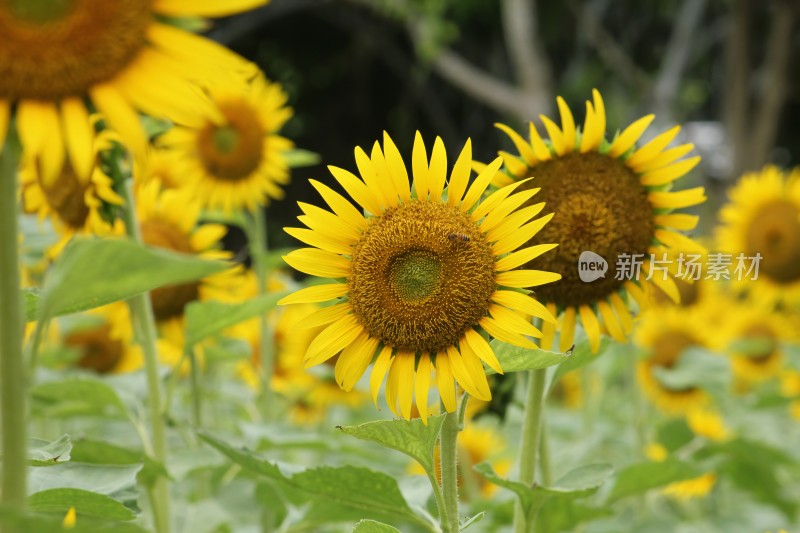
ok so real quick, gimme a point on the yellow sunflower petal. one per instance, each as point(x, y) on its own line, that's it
point(502, 210)
point(444, 380)
point(482, 349)
point(591, 325)
point(480, 184)
point(513, 222)
point(623, 313)
point(525, 303)
point(664, 158)
point(179, 46)
point(356, 189)
point(324, 316)
point(318, 263)
point(459, 177)
point(666, 284)
point(629, 136)
point(422, 384)
point(567, 125)
point(419, 167)
point(5, 114)
point(653, 148)
point(637, 294)
point(669, 174)
point(495, 199)
point(404, 364)
point(520, 257)
point(392, 386)
point(205, 8)
point(317, 240)
point(397, 168)
point(79, 135)
point(548, 330)
point(567, 329)
point(540, 149)
point(121, 117)
point(340, 205)
point(514, 321)
point(678, 242)
point(328, 224)
point(437, 173)
point(463, 376)
point(524, 148)
point(678, 221)
point(588, 135)
point(382, 364)
point(357, 358)
point(376, 176)
point(526, 278)
point(610, 320)
point(474, 367)
point(678, 199)
point(521, 236)
point(31, 125)
point(514, 165)
point(556, 137)
point(316, 293)
point(600, 115)
point(499, 332)
point(332, 340)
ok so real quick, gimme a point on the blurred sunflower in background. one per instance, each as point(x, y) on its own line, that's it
point(235, 159)
point(611, 198)
point(422, 276)
point(105, 345)
point(59, 60)
point(763, 217)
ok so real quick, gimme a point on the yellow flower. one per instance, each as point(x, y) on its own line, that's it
point(236, 161)
point(107, 346)
point(763, 217)
point(59, 58)
point(707, 423)
point(424, 274)
point(698, 487)
point(69, 519)
point(611, 198)
point(656, 452)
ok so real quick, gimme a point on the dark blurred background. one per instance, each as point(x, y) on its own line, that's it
point(725, 69)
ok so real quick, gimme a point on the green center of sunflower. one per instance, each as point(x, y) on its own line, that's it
point(667, 349)
point(599, 206)
point(65, 196)
point(415, 287)
point(774, 232)
point(233, 151)
point(99, 352)
point(169, 302)
point(768, 344)
point(53, 49)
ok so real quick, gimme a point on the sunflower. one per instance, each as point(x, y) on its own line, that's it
point(611, 198)
point(755, 336)
point(239, 160)
point(422, 274)
point(106, 347)
point(665, 335)
point(74, 201)
point(58, 59)
point(170, 219)
point(689, 489)
point(763, 217)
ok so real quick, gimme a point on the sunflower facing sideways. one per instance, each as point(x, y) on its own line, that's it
point(421, 277)
point(61, 58)
point(611, 198)
point(238, 161)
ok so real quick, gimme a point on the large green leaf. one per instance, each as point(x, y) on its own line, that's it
point(349, 486)
point(104, 453)
point(641, 477)
point(94, 272)
point(410, 437)
point(204, 319)
point(515, 359)
point(696, 367)
point(371, 526)
point(581, 356)
point(116, 481)
point(80, 395)
point(85, 503)
point(44, 453)
point(14, 520)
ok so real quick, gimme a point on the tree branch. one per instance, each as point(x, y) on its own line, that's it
point(520, 32)
point(737, 81)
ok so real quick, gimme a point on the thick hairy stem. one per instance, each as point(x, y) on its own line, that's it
point(529, 447)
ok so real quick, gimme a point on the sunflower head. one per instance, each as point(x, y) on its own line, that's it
point(423, 277)
point(610, 197)
point(106, 347)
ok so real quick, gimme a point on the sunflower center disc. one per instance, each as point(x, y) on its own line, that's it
point(600, 207)
point(52, 49)
point(413, 285)
point(169, 302)
point(775, 233)
point(233, 151)
point(100, 352)
point(65, 196)
point(764, 334)
point(667, 349)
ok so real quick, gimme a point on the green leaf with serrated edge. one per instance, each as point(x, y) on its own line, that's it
point(696, 367)
point(95, 272)
point(350, 486)
point(205, 319)
point(641, 477)
point(14, 520)
point(85, 503)
point(44, 453)
point(92, 394)
point(371, 526)
point(515, 359)
point(297, 158)
point(473, 520)
point(116, 481)
point(410, 437)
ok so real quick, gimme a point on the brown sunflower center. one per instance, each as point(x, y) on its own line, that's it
point(599, 206)
point(422, 274)
point(169, 302)
point(52, 49)
point(768, 344)
point(689, 292)
point(66, 197)
point(667, 349)
point(232, 151)
point(774, 232)
point(99, 352)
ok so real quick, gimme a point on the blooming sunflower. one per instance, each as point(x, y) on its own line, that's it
point(611, 198)
point(236, 161)
point(169, 219)
point(421, 276)
point(665, 334)
point(59, 58)
point(107, 346)
point(763, 217)
point(73, 200)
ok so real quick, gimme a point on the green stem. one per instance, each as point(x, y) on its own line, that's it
point(142, 308)
point(529, 447)
point(544, 455)
point(448, 450)
point(12, 366)
point(437, 494)
point(197, 405)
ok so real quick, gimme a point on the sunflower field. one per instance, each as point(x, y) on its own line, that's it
point(413, 266)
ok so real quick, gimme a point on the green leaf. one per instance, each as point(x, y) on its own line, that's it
point(44, 453)
point(641, 477)
point(752, 346)
point(104, 453)
point(515, 359)
point(473, 520)
point(16, 520)
point(204, 319)
point(116, 481)
point(85, 503)
point(371, 526)
point(85, 395)
point(31, 298)
point(297, 158)
point(94, 272)
point(581, 356)
point(696, 367)
point(674, 434)
point(410, 437)
point(349, 486)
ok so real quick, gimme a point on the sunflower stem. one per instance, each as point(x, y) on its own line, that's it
point(142, 309)
point(529, 447)
point(448, 449)
point(544, 455)
point(12, 365)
